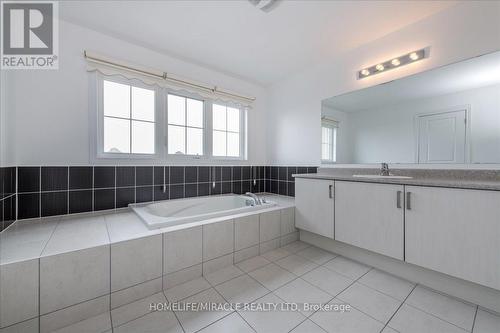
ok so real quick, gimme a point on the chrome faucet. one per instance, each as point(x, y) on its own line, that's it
point(254, 197)
point(384, 170)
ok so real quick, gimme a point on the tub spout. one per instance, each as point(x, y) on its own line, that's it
point(254, 197)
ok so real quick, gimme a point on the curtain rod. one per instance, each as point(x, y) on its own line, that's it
point(164, 76)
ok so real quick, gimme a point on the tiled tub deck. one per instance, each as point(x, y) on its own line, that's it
point(59, 271)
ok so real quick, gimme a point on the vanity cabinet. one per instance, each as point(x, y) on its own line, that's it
point(448, 230)
point(370, 216)
point(314, 206)
point(454, 231)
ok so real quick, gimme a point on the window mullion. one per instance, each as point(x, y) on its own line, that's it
point(331, 144)
point(208, 109)
point(241, 133)
point(185, 125)
point(130, 115)
point(226, 132)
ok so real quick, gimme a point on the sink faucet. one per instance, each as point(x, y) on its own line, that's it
point(254, 197)
point(384, 170)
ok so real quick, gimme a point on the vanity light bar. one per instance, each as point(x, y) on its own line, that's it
point(393, 63)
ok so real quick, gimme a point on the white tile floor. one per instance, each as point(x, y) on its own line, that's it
point(299, 274)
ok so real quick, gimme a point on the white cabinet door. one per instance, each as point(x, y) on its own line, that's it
point(456, 232)
point(370, 216)
point(314, 206)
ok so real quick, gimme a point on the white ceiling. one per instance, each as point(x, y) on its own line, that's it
point(236, 38)
point(469, 74)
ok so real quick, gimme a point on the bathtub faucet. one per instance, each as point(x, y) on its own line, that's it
point(254, 197)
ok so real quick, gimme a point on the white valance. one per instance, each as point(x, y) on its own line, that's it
point(109, 67)
point(329, 122)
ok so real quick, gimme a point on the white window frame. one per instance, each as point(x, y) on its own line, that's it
point(243, 132)
point(334, 125)
point(206, 125)
point(97, 139)
point(96, 121)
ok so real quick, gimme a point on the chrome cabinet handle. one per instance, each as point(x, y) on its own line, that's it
point(330, 194)
point(408, 200)
point(398, 199)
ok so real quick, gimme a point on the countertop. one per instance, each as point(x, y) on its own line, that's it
point(455, 182)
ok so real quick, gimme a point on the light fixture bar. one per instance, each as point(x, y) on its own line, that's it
point(400, 61)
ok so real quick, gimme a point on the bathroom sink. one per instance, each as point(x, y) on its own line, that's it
point(382, 177)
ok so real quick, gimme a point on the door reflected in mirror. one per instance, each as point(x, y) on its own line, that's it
point(449, 115)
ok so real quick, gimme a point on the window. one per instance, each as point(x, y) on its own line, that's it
point(135, 120)
point(128, 125)
point(329, 141)
point(185, 125)
point(226, 134)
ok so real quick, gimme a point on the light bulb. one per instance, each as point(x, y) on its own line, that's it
point(395, 62)
point(365, 72)
point(414, 56)
point(380, 67)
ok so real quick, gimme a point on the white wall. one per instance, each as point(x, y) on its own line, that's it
point(48, 109)
point(463, 31)
point(5, 148)
point(2, 122)
point(389, 134)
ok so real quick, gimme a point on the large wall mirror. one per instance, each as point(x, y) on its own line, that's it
point(449, 115)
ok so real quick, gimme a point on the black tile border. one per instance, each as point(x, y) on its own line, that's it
point(59, 190)
point(8, 196)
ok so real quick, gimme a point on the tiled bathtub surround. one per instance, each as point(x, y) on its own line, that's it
point(59, 190)
point(87, 265)
point(7, 197)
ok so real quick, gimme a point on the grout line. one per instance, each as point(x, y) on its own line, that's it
point(93, 184)
point(9, 196)
point(20, 322)
point(162, 261)
point(110, 271)
point(175, 314)
point(384, 293)
point(474, 321)
point(72, 305)
point(39, 297)
point(399, 307)
point(340, 292)
point(50, 238)
point(230, 313)
point(67, 193)
point(234, 237)
point(114, 188)
point(139, 317)
point(196, 293)
point(110, 276)
point(40, 189)
point(245, 321)
point(136, 285)
point(447, 295)
point(435, 316)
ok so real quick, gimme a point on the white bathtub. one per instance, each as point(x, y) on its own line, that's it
point(174, 212)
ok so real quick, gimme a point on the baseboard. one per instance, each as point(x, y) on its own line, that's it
point(483, 296)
